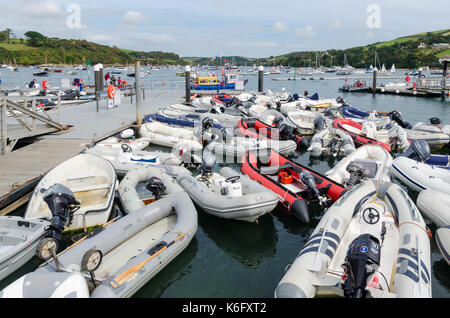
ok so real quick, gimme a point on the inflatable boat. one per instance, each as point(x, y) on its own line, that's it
point(228, 194)
point(168, 136)
point(126, 137)
point(435, 205)
point(219, 118)
point(360, 116)
point(158, 181)
point(254, 128)
point(331, 141)
point(436, 140)
point(188, 121)
point(18, 243)
point(443, 242)
point(295, 184)
point(118, 260)
point(91, 178)
point(303, 121)
point(367, 162)
point(419, 176)
point(193, 140)
point(367, 134)
point(372, 242)
point(125, 159)
point(420, 150)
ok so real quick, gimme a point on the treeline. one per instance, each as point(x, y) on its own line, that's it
point(402, 52)
point(39, 49)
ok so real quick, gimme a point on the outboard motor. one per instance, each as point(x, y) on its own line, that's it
point(335, 146)
point(395, 116)
point(362, 260)
point(319, 123)
point(207, 123)
point(286, 132)
point(341, 101)
point(435, 121)
point(330, 113)
point(307, 179)
point(419, 150)
point(357, 174)
point(278, 105)
point(156, 187)
point(208, 163)
point(278, 121)
point(62, 203)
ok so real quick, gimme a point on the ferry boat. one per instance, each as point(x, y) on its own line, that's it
point(211, 82)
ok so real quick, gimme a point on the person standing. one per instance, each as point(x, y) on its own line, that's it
point(107, 78)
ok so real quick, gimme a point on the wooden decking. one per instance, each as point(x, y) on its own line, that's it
point(21, 166)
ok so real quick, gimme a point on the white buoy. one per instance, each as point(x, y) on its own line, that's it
point(397, 91)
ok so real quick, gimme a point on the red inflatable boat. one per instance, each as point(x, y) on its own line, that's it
point(295, 184)
point(359, 139)
point(222, 99)
point(254, 128)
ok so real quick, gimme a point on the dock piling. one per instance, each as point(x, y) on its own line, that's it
point(3, 126)
point(98, 77)
point(261, 79)
point(137, 71)
point(187, 75)
point(374, 84)
point(444, 79)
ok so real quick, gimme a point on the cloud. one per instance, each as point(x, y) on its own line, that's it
point(337, 25)
point(280, 27)
point(42, 10)
point(305, 33)
point(133, 18)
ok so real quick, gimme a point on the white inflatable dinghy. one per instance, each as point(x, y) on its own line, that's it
point(372, 242)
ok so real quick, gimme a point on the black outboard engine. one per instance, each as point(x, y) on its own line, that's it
point(278, 121)
point(357, 174)
point(362, 260)
point(435, 121)
point(156, 187)
point(335, 146)
point(278, 105)
point(419, 150)
point(208, 163)
point(395, 116)
point(319, 123)
point(286, 132)
point(207, 123)
point(308, 179)
point(62, 203)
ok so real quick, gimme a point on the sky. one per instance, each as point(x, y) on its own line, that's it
point(251, 28)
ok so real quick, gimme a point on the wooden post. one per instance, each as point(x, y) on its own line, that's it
point(137, 72)
point(187, 78)
point(261, 79)
point(98, 78)
point(444, 79)
point(374, 85)
point(3, 124)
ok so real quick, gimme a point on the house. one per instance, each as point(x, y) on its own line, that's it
point(422, 46)
point(440, 46)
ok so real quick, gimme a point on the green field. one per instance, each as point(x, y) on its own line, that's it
point(13, 46)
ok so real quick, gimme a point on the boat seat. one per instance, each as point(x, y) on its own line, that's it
point(91, 187)
point(369, 165)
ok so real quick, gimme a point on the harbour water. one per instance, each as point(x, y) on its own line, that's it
point(237, 259)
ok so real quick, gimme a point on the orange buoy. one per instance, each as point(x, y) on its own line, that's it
point(111, 91)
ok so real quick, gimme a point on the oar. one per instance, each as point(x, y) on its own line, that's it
point(131, 272)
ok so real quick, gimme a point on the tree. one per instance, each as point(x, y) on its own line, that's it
point(35, 38)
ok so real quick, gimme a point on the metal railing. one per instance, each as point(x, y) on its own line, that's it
point(27, 117)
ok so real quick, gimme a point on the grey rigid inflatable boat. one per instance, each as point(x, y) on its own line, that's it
point(229, 195)
point(18, 241)
point(127, 188)
point(120, 258)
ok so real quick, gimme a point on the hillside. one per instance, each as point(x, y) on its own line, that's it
point(43, 50)
point(403, 52)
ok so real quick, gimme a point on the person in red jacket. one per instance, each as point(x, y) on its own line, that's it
point(107, 77)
